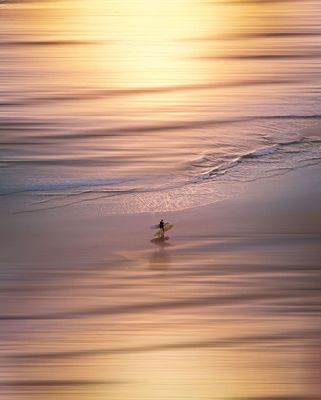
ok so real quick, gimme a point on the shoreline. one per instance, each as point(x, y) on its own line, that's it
point(286, 204)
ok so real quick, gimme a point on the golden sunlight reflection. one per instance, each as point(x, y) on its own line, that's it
point(146, 39)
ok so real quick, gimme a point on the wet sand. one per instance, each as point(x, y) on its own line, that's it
point(227, 308)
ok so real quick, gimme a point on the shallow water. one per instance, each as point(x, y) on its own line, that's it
point(147, 100)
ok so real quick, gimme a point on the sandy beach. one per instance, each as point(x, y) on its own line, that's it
point(227, 308)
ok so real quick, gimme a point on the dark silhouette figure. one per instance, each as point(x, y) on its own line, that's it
point(162, 227)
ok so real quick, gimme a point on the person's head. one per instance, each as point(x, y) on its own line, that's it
point(162, 220)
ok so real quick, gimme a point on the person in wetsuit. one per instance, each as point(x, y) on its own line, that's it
point(162, 227)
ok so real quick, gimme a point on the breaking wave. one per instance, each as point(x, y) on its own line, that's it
point(291, 147)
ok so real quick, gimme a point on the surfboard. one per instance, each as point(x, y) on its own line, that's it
point(167, 227)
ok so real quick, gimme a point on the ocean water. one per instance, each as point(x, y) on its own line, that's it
point(154, 106)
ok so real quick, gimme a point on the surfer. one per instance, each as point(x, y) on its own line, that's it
point(162, 227)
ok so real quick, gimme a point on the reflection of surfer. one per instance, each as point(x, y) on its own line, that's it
point(162, 227)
